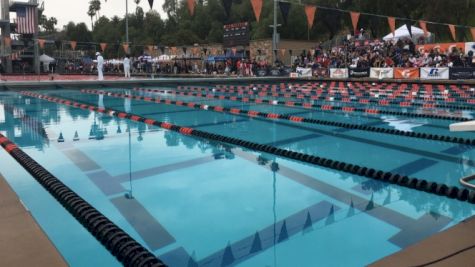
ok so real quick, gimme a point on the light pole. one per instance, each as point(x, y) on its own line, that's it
point(274, 33)
point(127, 22)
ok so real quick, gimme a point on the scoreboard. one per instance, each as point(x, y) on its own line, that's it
point(236, 34)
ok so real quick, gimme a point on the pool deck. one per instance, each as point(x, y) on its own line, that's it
point(22, 242)
point(452, 247)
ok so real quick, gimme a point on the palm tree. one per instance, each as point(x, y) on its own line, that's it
point(91, 13)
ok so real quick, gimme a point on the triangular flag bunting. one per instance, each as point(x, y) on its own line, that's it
point(409, 28)
point(126, 48)
point(423, 26)
point(355, 16)
point(191, 7)
point(392, 24)
point(150, 2)
point(41, 43)
point(103, 46)
point(452, 31)
point(227, 6)
point(310, 12)
point(150, 48)
point(8, 41)
point(284, 9)
point(472, 30)
point(257, 7)
point(73, 44)
point(282, 52)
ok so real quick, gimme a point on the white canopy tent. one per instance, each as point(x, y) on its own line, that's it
point(46, 60)
point(403, 32)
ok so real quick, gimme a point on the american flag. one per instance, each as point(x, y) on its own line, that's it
point(26, 19)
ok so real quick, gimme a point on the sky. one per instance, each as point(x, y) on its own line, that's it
point(76, 10)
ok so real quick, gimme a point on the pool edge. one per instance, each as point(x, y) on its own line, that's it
point(24, 242)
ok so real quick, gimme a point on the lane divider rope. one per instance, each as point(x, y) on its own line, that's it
point(125, 249)
point(440, 189)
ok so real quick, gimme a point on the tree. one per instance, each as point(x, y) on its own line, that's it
point(91, 13)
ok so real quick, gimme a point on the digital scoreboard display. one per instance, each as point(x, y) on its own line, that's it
point(236, 34)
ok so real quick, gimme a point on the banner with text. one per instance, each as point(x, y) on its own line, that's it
point(406, 73)
point(339, 73)
point(304, 72)
point(382, 73)
point(462, 73)
point(435, 73)
point(359, 72)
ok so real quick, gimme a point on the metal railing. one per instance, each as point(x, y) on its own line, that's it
point(465, 181)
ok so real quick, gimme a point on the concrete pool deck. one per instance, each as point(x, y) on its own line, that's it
point(452, 247)
point(22, 242)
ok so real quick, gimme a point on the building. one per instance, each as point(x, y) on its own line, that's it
point(19, 51)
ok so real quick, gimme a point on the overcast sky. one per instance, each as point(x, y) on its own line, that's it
point(76, 10)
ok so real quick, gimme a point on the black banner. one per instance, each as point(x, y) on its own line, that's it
point(462, 73)
point(150, 2)
point(275, 72)
point(261, 72)
point(320, 72)
point(359, 72)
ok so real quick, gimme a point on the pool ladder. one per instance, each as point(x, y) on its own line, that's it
point(465, 181)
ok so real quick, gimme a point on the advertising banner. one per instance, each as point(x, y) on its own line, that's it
point(470, 46)
point(462, 73)
point(304, 72)
point(359, 72)
point(339, 73)
point(320, 72)
point(382, 73)
point(442, 48)
point(435, 73)
point(406, 73)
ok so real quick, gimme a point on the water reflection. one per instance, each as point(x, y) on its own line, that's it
point(25, 121)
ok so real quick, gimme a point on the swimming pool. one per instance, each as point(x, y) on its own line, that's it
point(198, 201)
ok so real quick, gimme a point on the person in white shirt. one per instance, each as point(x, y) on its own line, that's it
point(100, 66)
point(127, 66)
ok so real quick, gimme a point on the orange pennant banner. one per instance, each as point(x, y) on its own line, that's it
point(103, 46)
point(423, 26)
point(126, 48)
point(151, 48)
point(257, 7)
point(282, 52)
point(310, 12)
point(41, 43)
point(355, 16)
point(8, 41)
point(392, 24)
point(472, 30)
point(452, 31)
point(191, 7)
point(73, 44)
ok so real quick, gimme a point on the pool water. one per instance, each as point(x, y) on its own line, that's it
point(197, 202)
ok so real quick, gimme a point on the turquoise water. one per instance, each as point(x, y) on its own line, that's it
point(201, 203)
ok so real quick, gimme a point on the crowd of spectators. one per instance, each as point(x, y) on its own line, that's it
point(364, 54)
